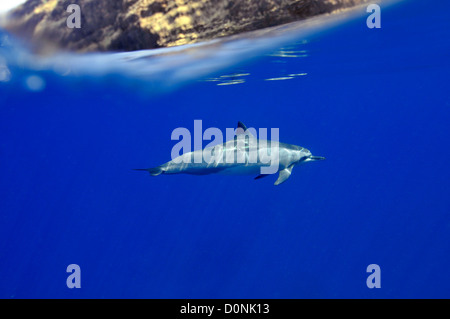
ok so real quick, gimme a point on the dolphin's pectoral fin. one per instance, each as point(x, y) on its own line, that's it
point(284, 175)
point(261, 176)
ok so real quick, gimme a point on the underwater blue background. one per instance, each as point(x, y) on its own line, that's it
point(374, 102)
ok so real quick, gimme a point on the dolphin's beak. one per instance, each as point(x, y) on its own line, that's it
point(311, 159)
point(316, 158)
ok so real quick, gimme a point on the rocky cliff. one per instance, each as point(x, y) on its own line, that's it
point(126, 25)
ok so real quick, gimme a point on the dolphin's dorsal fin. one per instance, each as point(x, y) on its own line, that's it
point(284, 175)
point(242, 126)
point(242, 129)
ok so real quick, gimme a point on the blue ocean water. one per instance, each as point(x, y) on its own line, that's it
point(374, 102)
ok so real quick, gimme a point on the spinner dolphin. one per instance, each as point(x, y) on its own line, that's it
point(243, 155)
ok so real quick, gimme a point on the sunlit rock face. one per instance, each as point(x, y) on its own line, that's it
point(127, 25)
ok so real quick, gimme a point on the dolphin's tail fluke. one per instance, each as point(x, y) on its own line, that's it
point(153, 171)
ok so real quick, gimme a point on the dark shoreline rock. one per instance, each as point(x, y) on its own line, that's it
point(128, 25)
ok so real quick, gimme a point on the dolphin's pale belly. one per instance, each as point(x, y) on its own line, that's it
point(212, 168)
point(249, 169)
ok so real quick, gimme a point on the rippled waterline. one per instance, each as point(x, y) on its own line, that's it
point(171, 66)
